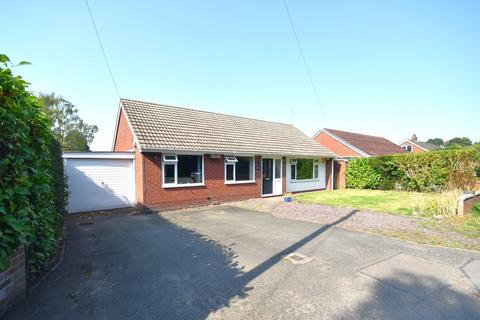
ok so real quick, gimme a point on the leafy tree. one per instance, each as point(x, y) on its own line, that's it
point(436, 141)
point(458, 142)
point(67, 126)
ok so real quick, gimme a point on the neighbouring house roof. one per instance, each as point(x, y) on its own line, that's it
point(366, 145)
point(423, 145)
point(159, 127)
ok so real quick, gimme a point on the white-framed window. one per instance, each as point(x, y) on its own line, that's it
point(315, 169)
point(239, 169)
point(407, 148)
point(182, 170)
point(304, 169)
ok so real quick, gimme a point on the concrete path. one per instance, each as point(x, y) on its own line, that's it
point(229, 263)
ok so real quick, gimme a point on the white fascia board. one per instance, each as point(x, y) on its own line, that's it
point(98, 155)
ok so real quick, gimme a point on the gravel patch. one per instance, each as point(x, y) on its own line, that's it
point(407, 228)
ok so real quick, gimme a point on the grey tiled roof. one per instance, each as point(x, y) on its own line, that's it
point(426, 145)
point(162, 127)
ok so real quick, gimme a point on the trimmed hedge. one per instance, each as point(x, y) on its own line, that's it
point(428, 171)
point(30, 176)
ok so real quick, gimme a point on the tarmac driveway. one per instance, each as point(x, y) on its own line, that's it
point(229, 263)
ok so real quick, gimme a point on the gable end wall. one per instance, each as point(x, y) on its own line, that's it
point(124, 135)
point(336, 146)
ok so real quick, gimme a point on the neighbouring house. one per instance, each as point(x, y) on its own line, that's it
point(186, 157)
point(415, 146)
point(347, 145)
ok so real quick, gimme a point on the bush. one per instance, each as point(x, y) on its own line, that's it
point(360, 174)
point(428, 171)
point(27, 204)
point(60, 192)
point(476, 209)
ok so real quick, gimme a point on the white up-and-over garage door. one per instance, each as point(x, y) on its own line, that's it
point(99, 180)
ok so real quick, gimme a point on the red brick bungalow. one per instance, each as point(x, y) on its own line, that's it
point(185, 156)
point(347, 145)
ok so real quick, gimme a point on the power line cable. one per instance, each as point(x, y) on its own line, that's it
point(103, 50)
point(309, 73)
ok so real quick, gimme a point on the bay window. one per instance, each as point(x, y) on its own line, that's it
point(182, 170)
point(239, 169)
point(304, 169)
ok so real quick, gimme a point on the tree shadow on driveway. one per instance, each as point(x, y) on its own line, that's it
point(123, 266)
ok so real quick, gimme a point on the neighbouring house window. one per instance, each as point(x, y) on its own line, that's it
point(238, 169)
point(278, 168)
point(303, 169)
point(408, 148)
point(182, 169)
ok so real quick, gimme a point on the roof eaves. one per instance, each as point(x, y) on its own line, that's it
point(363, 153)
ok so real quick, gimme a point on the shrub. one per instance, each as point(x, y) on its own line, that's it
point(360, 174)
point(476, 209)
point(428, 171)
point(60, 192)
point(27, 206)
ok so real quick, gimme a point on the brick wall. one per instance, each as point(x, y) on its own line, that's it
point(466, 202)
point(215, 189)
point(340, 181)
point(335, 146)
point(328, 174)
point(13, 281)
point(415, 149)
point(124, 136)
point(139, 174)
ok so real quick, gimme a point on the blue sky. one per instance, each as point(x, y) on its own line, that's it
point(388, 68)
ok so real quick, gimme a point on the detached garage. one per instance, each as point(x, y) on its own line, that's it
point(99, 180)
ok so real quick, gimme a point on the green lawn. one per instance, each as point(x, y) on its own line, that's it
point(386, 201)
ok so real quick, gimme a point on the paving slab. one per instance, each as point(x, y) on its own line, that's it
point(472, 270)
point(417, 276)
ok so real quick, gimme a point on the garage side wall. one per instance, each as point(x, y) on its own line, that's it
point(214, 190)
point(139, 181)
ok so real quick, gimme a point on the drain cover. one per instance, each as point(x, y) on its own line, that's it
point(86, 223)
point(298, 258)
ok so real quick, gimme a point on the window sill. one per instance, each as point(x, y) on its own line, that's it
point(240, 182)
point(186, 185)
point(306, 180)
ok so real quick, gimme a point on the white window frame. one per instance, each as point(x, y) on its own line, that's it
point(231, 159)
point(315, 164)
point(175, 163)
point(405, 147)
point(233, 163)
